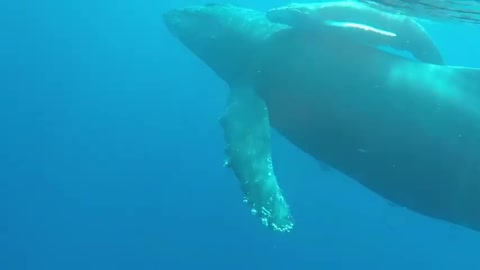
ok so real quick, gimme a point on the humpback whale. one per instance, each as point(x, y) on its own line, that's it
point(408, 131)
point(361, 23)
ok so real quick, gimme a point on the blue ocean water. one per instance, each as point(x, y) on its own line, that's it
point(111, 158)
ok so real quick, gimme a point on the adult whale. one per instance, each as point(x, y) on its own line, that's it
point(408, 131)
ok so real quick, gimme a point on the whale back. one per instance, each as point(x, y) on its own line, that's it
point(408, 131)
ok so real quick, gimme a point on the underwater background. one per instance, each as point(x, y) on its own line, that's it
point(111, 158)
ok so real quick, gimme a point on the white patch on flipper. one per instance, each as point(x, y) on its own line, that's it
point(359, 26)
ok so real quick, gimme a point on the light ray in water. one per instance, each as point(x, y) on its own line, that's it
point(438, 10)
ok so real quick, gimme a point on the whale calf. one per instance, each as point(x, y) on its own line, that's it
point(361, 23)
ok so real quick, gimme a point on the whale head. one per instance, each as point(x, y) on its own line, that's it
point(225, 37)
point(197, 27)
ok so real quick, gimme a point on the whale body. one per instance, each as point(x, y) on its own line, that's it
point(406, 130)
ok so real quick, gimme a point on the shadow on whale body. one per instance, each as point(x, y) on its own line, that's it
point(408, 131)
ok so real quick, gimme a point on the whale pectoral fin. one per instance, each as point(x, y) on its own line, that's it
point(402, 34)
point(419, 43)
point(247, 135)
point(360, 28)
